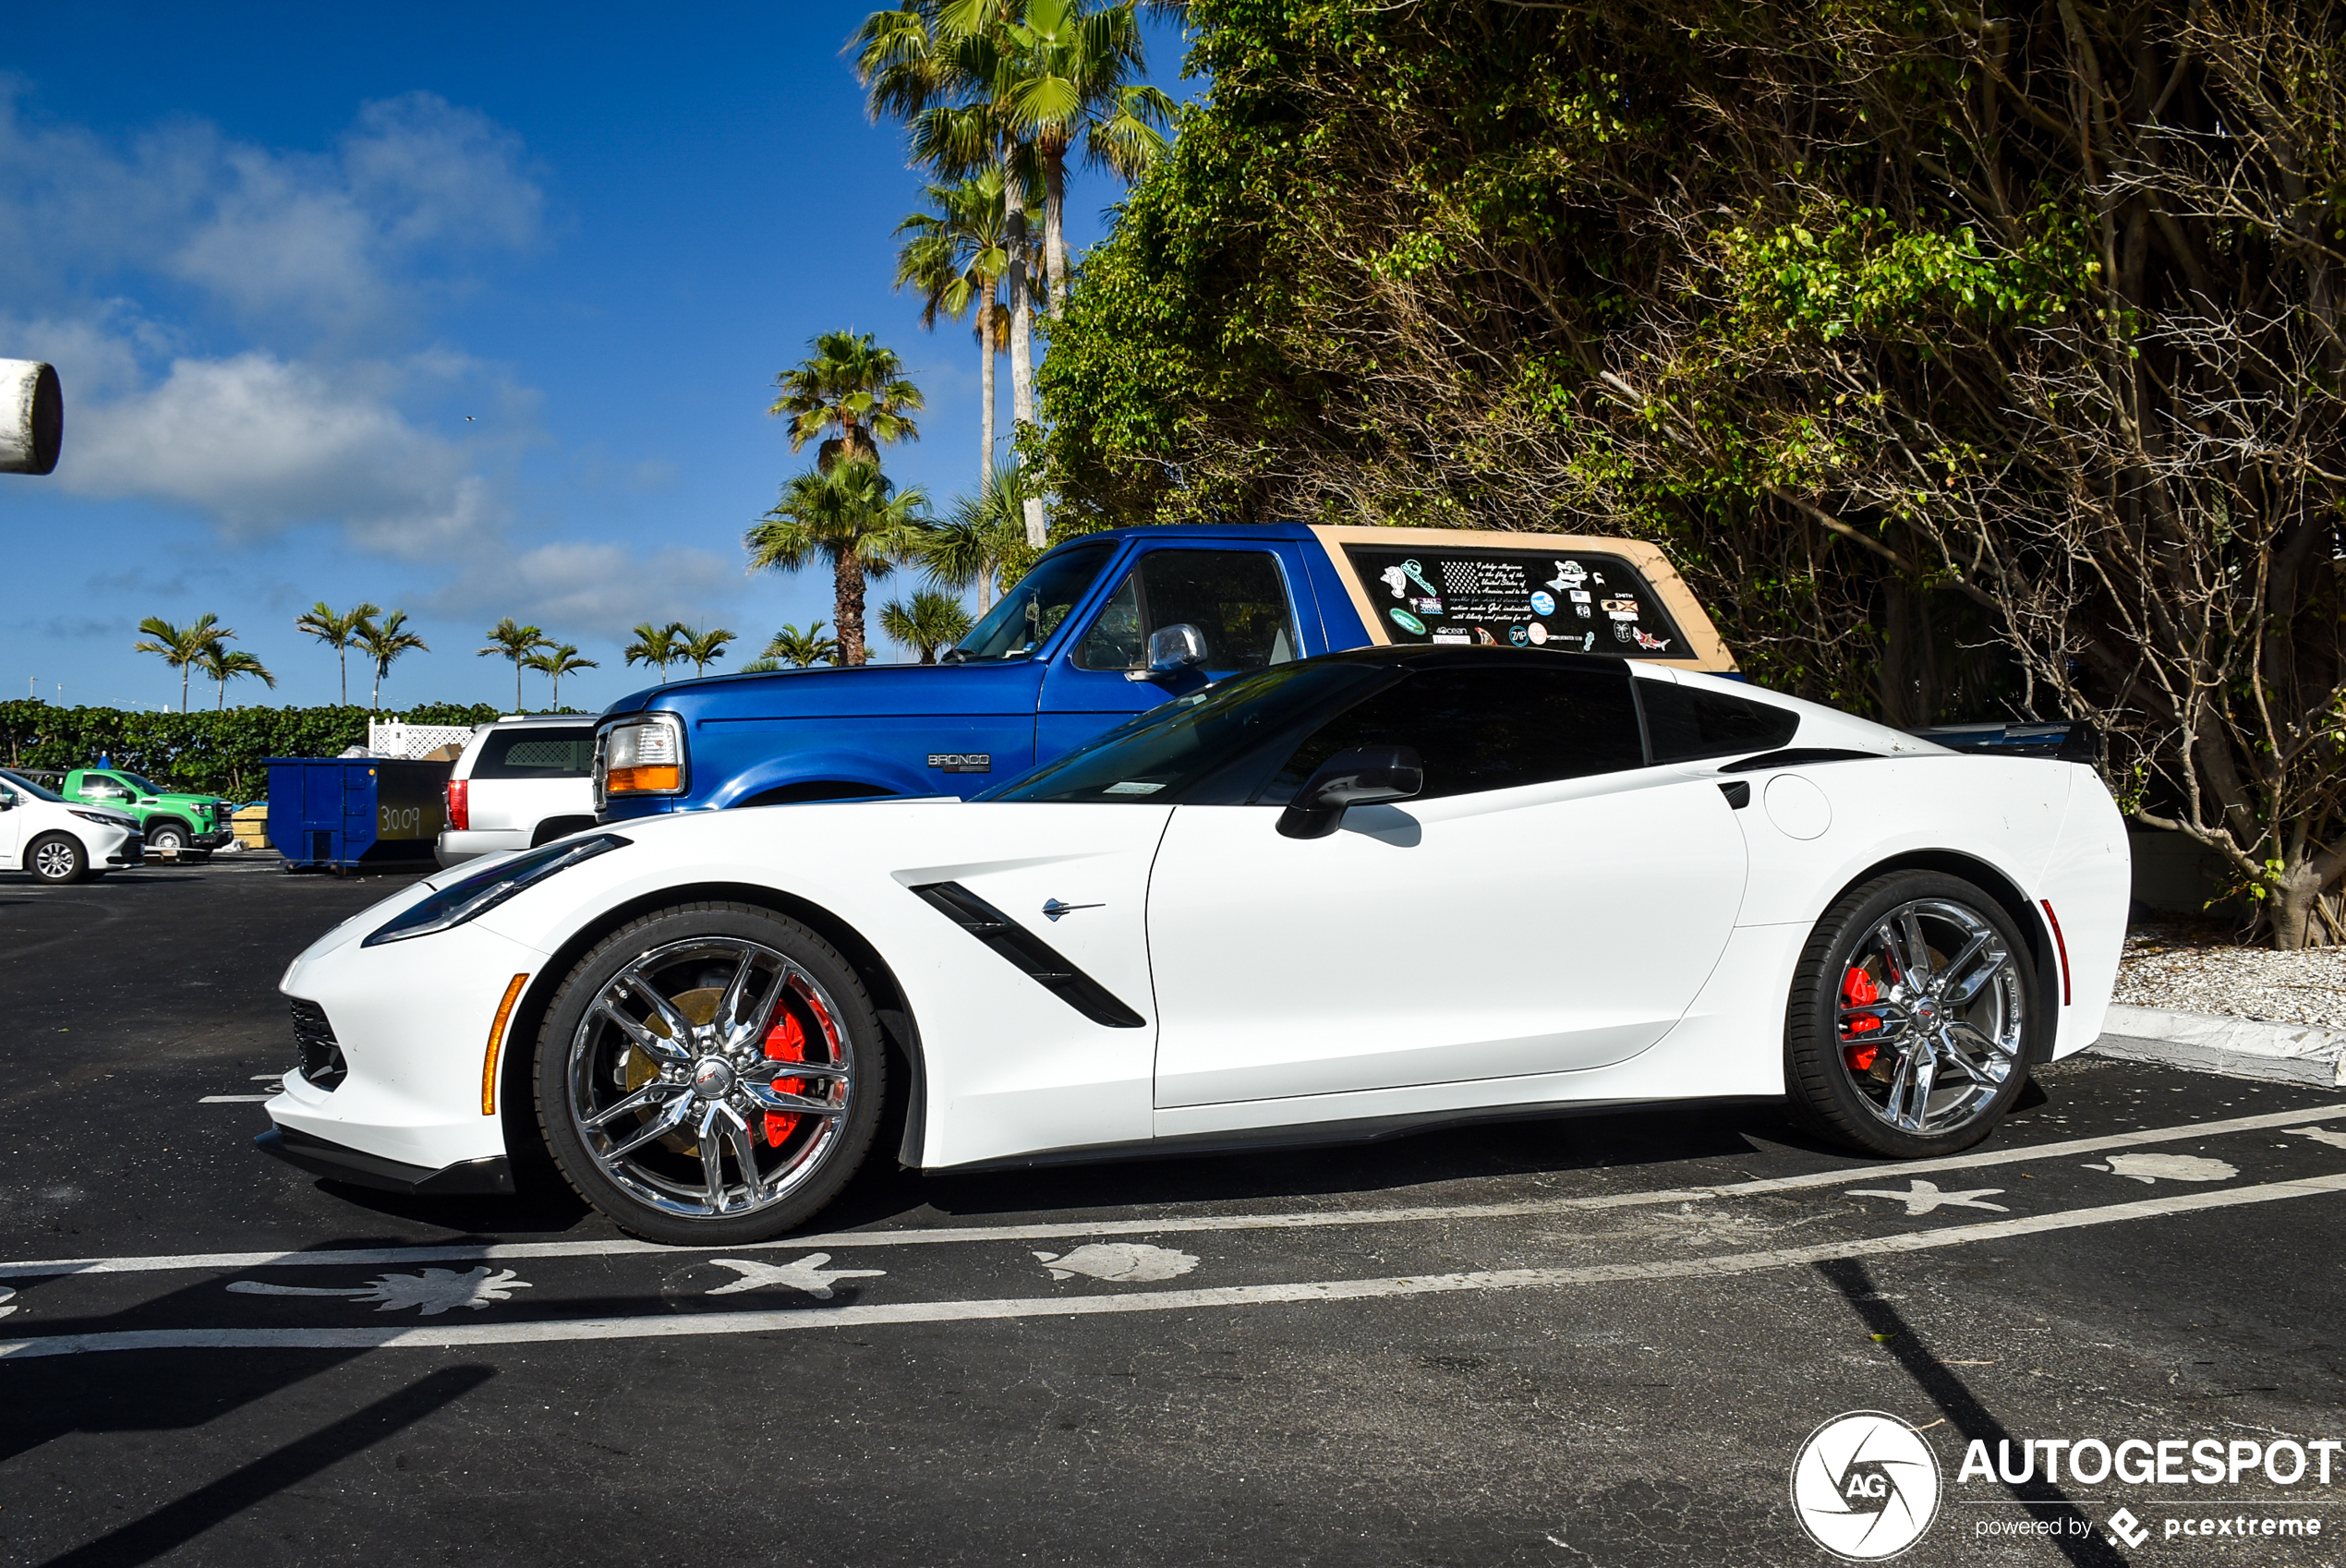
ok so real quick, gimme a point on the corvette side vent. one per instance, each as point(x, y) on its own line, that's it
point(1043, 963)
point(321, 1062)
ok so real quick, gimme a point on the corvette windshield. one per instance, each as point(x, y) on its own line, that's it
point(1167, 753)
point(1033, 608)
point(30, 788)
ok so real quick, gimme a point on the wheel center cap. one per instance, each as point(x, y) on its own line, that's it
point(712, 1077)
point(1927, 1014)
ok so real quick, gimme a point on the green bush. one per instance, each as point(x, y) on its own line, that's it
point(217, 753)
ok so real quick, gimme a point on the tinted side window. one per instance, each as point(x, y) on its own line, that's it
point(1683, 723)
point(1485, 729)
point(537, 754)
point(1236, 597)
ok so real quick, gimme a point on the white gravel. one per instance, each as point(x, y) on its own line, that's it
point(2194, 971)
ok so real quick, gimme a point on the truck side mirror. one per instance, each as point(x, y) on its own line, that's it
point(1362, 776)
point(1176, 647)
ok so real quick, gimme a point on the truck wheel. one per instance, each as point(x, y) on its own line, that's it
point(167, 838)
point(56, 859)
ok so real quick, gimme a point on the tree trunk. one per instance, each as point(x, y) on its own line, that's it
point(986, 353)
point(516, 683)
point(342, 656)
point(1055, 227)
point(183, 688)
point(847, 608)
point(1022, 345)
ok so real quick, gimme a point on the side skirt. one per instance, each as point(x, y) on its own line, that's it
point(1375, 1130)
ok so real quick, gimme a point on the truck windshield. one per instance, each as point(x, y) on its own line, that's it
point(138, 784)
point(1033, 609)
point(1166, 753)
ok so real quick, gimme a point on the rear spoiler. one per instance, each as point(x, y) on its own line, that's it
point(2067, 739)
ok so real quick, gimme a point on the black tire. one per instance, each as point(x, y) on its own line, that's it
point(1979, 1047)
point(56, 859)
point(567, 1064)
point(169, 839)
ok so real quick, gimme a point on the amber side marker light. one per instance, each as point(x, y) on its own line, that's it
point(497, 1045)
point(644, 780)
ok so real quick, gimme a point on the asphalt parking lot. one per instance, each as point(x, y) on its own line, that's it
point(1598, 1339)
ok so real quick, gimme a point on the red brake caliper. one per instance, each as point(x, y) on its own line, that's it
point(785, 1042)
point(1857, 990)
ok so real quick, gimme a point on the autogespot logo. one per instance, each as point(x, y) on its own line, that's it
point(1866, 1486)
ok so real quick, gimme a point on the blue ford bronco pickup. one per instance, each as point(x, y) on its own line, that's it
point(1110, 625)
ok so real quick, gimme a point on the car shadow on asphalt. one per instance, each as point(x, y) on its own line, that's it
point(885, 1194)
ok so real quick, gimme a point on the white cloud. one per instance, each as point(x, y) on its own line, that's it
point(261, 445)
point(345, 241)
point(577, 590)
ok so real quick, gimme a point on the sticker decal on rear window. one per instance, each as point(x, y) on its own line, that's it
point(1503, 597)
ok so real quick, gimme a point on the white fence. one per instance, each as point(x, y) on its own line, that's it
point(397, 739)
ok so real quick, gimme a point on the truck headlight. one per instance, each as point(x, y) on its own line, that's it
point(643, 756)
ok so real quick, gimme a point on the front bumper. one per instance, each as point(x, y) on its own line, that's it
point(489, 1176)
point(411, 1021)
point(132, 851)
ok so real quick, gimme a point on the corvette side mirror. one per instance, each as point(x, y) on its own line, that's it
point(1364, 776)
point(1173, 649)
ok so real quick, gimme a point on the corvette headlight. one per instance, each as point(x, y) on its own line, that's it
point(642, 756)
point(482, 891)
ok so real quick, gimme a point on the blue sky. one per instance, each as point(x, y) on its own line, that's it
point(280, 253)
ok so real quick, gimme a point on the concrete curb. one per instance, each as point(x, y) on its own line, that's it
point(2276, 1053)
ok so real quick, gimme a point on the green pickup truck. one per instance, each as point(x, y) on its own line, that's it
point(175, 824)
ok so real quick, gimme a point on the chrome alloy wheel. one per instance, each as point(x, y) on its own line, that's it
point(709, 1077)
point(1931, 1016)
point(53, 860)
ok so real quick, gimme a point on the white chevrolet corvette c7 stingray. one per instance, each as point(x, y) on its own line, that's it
point(1335, 899)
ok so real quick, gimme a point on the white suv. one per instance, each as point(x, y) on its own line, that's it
point(59, 840)
point(519, 783)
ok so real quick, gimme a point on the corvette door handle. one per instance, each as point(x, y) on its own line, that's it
point(1052, 908)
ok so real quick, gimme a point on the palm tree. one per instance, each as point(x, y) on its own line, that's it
point(657, 646)
point(507, 640)
point(803, 649)
point(929, 622)
point(557, 663)
point(853, 386)
point(385, 640)
point(946, 67)
point(336, 631)
point(224, 666)
point(705, 649)
point(965, 549)
point(852, 518)
point(181, 645)
point(956, 258)
point(1071, 74)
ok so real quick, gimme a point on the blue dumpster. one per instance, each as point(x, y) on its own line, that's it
point(356, 812)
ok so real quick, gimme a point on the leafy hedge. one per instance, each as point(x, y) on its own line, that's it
point(219, 753)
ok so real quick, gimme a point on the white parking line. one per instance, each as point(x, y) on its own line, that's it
point(1174, 1225)
point(235, 1099)
point(667, 1325)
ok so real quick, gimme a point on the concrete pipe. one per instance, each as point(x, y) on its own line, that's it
point(32, 417)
